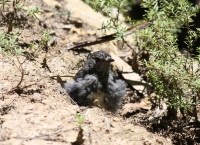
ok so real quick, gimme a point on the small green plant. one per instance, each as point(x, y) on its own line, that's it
point(79, 139)
point(80, 120)
point(9, 44)
point(19, 6)
point(45, 39)
point(34, 11)
point(112, 9)
point(67, 13)
point(46, 36)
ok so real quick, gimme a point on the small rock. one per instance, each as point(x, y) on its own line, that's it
point(5, 135)
point(52, 3)
point(116, 119)
point(36, 97)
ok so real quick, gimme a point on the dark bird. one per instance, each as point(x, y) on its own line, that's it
point(96, 82)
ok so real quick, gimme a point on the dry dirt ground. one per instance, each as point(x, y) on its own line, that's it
point(39, 111)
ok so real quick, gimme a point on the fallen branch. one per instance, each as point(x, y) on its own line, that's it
point(109, 37)
point(68, 75)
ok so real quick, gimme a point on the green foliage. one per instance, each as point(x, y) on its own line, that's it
point(67, 13)
point(45, 39)
point(112, 9)
point(34, 11)
point(80, 120)
point(9, 44)
point(174, 76)
point(9, 40)
point(46, 36)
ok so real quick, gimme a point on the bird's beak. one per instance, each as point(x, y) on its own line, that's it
point(109, 60)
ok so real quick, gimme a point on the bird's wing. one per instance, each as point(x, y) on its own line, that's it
point(80, 90)
point(116, 90)
point(87, 69)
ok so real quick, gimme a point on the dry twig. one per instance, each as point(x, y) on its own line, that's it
point(110, 37)
point(21, 78)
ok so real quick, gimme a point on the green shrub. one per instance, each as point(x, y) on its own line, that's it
point(175, 77)
point(9, 44)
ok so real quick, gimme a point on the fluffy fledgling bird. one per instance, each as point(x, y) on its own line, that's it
point(96, 82)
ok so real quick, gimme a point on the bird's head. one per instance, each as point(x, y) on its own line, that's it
point(101, 61)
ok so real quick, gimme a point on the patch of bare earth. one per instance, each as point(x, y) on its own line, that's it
point(35, 109)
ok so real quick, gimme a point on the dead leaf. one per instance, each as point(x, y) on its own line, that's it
point(61, 26)
point(52, 3)
point(121, 65)
point(132, 108)
point(127, 72)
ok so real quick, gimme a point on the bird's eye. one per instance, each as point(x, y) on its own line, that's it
point(98, 59)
